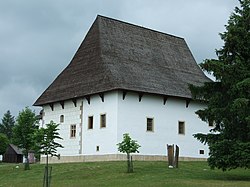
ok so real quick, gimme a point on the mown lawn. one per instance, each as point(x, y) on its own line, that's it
point(114, 174)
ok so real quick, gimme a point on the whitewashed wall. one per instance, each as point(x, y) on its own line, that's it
point(129, 116)
point(71, 116)
point(105, 138)
point(132, 116)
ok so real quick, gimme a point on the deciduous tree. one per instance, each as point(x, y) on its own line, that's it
point(228, 98)
point(45, 142)
point(128, 146)
point(23, 132)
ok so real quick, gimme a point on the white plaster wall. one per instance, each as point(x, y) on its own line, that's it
point(132, 116)
point(71, 116)
point(129, 116)
point(105, 138)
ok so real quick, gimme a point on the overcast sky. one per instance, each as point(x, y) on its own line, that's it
point(38, 38)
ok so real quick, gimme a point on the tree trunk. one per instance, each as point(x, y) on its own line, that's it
point(47, 170)
point(131, 165)
point(128, 162)
point(26, 164)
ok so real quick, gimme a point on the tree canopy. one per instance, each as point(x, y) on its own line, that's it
point(6, 127)
point(46, 144)
point(3, 143)
point(128, 146)
point(23, 136)
point(45, 139)
point(228, 98)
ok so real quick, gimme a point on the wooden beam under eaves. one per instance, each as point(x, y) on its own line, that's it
point(165, 98)
point(102, 96)
point(51, 106)
point(124, 93)
point(88, 99)
point(140, 96)
point(187, 102)
point(75, 102)
point(62, 104)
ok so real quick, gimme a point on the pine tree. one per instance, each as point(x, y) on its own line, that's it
point(6, 127)
point(228, 98)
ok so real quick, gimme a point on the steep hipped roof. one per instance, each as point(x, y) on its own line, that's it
point(118, 55)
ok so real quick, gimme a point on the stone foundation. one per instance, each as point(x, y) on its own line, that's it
point(113, 157)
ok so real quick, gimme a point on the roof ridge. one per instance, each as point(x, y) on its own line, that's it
point(134, 25)
point(118, 55)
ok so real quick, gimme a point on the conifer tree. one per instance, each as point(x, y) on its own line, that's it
point(228, 98)
point(3, 143)
point(6, 127)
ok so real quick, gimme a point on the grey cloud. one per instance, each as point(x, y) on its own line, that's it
point(39, 38)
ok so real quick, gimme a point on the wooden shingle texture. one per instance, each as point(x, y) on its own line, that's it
point(120, 56)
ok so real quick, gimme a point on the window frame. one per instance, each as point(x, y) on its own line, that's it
point(152, 124)
point(61, 118)
point(101, 121)
point(183, 128)
point(92, 122)
point(73, 131)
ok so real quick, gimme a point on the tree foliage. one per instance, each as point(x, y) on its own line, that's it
point(23, 132)
point(45, 139)
point(128, 146)
point(46, 144)
point(228, 98)
point(6, 127)
point(3, 143)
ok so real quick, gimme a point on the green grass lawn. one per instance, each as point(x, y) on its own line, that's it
point(114, 174)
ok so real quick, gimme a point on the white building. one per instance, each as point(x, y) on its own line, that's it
point(126, 79)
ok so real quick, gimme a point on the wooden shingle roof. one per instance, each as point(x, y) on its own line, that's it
point(120, 56)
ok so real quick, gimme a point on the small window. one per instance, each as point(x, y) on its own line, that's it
point(97, 148)
point(61, 118)
point(181, 127)
point(103, 120)
point(150, 124)
point(202, 152)
point(90, 122)
point(72, 131)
